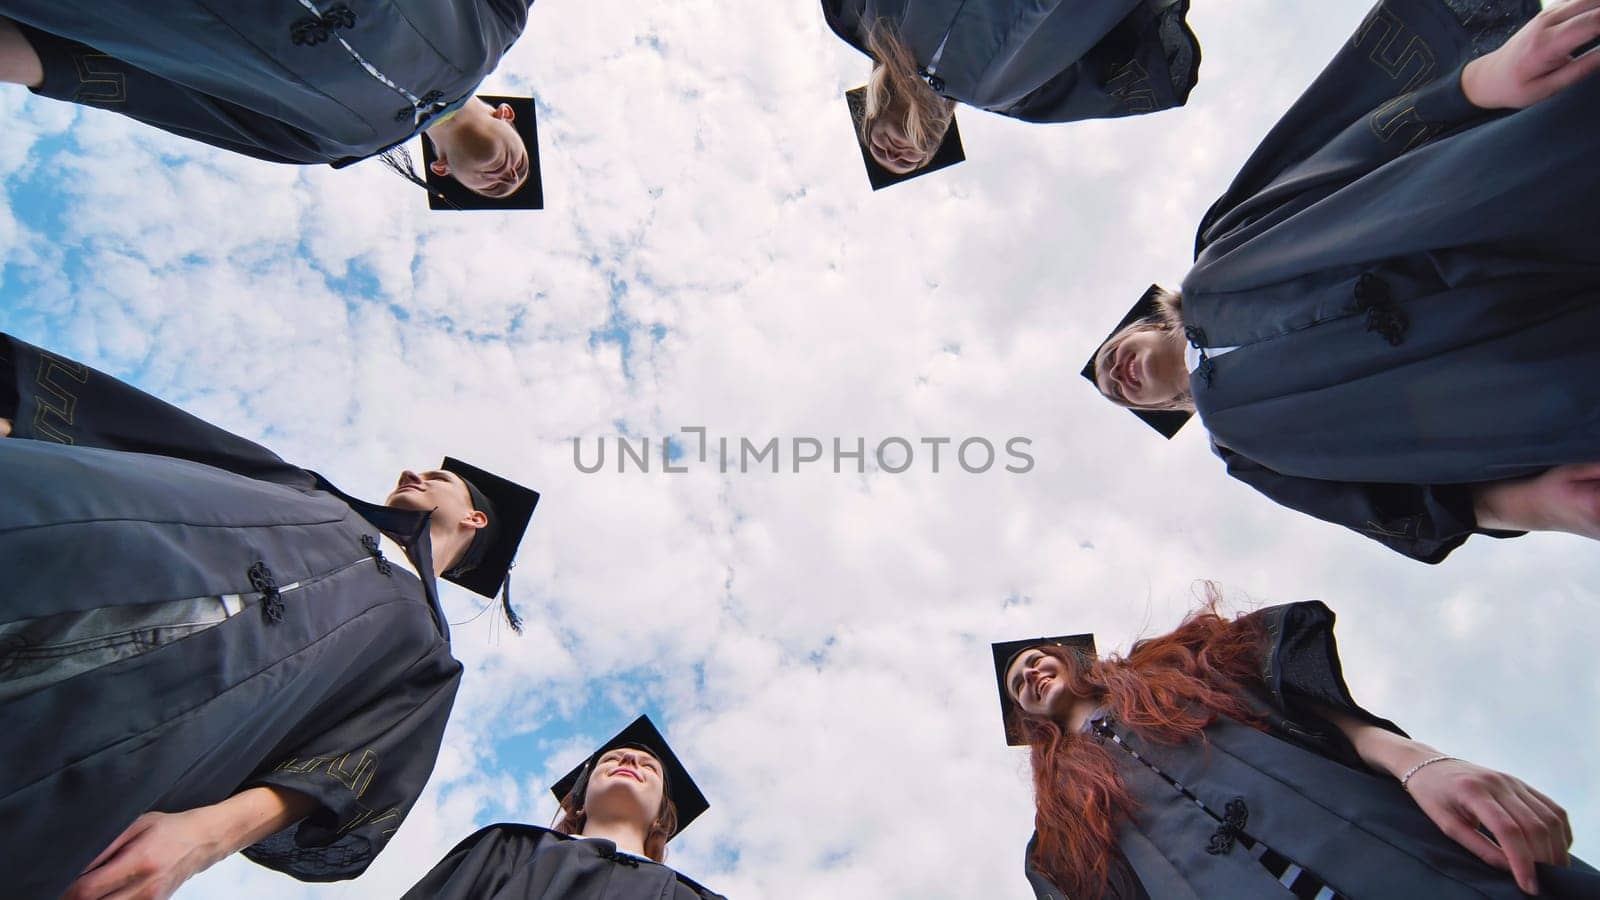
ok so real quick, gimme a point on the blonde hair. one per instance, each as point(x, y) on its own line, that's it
point(1168, 319)
point(896, 89)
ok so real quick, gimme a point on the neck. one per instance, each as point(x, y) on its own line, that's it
point(1180, 345)
point(626, 834)
point(448, 544)
point(1080, 711)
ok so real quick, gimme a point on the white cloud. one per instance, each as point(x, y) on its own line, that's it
point(699, 155)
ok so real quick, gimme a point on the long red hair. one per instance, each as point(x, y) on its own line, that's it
point(1167, 689)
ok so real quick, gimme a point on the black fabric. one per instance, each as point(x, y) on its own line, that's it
point(1424, 522)
point(252, 78)
point(1408, 285)
point(8, 381)
point(78, 73)
point(1050, 62)
point(115, 498)
point(524, 862)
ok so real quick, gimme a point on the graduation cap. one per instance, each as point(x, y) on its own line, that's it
point(641, 734)
point(1166, 421)
point(1005, 653)
point(949, 153)
point(485, 567)
point(445, 192)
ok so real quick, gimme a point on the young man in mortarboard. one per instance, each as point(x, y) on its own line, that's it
point(619, 808)
point(205, 649)
point(291, 82)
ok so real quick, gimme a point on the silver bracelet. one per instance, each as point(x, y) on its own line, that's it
point(1423, 765)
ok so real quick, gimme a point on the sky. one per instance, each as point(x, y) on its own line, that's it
point(814, 643)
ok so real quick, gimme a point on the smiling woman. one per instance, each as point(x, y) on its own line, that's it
point(1228, 759)
point(619, 808)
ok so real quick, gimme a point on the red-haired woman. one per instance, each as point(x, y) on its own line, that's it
point(619, 808)
point(1040, 62)
point(1228, 759)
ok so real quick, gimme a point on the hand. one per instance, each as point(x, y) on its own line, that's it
point(1565, 498)
point(1537, 61)
point(1527, 826)
point(5, 427)
point(148, 861)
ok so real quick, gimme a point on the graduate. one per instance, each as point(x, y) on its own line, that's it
point(1228, 759)
point(290, 81)
point(619, 808)
point(1390, 321)
point(205, 649)
point(1039, 62)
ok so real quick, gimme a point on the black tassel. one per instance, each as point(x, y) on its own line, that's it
point(399, 160)
point(514, 620)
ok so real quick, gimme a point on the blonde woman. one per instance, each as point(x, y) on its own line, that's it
point(1052, 62)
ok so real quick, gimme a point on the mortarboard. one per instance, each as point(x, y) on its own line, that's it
point(1005, 653)
point(486, 566)
point(641, 734)
point(445, 192)
point(949, 153)
point(1166, 421)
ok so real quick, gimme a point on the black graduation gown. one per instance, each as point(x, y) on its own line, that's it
point(271, 78)
point(334, 678)
point(525, 862)
point(1412, 284)
point(1041, 62)
point(1305, 794)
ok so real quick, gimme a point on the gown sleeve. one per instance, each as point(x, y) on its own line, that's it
point(1147, 63)
point(1424, 522)
point(52, 398)
point(77, 73)
point(364, 773)
point(1301, 666)
point(1367, 106)
point(480, 865)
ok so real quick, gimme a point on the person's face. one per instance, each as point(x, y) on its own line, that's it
point(890, 148)
point(485, 153)
point(1143, 368)
point(435, 490)
point(627, 782)
point(1037, 682)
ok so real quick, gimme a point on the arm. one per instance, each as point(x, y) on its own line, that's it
point(76, 73)
point(364, 772)
point(1538, 60)
point(1305, 681)
point(18, 63)
point(1564, 498)
point(1424, 522)
point(1461, 798)
point(57, 399)
point(160, 851)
